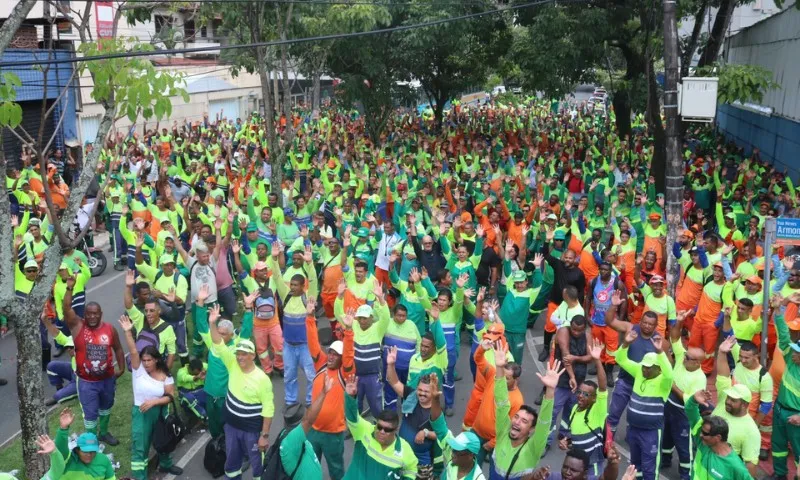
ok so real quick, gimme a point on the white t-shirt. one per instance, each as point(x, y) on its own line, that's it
point(146, 387)
point(203, 275)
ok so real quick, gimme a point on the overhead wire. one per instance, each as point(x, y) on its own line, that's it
point(275, 43)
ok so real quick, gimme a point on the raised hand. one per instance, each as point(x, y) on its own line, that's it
point(462, 280)
point(277, 249)
point(414, 275)
point(235, 247)
point(537, 260)
point(500, 353)
point(550, 379)
point(213, 314)
point(308, 255)
point(311, 306)
point(727, 345)
point(348, 319)
point(341, 288)
point(249, 300)
point(202, 294)
point(616, 298)
point(391, 355)
point(45, 444)
point(130, 279)
point(596, 350)
point(630, 336)
point(65, 418)
point(702, 397)
point(125, 323)
point(658, 343)
point(351, 385)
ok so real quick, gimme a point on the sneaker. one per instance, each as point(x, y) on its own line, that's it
point(110, 249)
point(109, 439)
point(539, 399)
point(763, 454)
point(449, 411)
point(58, 352)
point(174, 470)
point(3, 381)
point(544, 354)
point(50, 402)
point(119, 267)
point(457, 377)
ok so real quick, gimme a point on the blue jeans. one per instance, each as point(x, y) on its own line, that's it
point(562, 404)
point(295, 356)
point(370, 387)
point(619, 401)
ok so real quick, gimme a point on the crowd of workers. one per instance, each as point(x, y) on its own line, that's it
point(406, 246)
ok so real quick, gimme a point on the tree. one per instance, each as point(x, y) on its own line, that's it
point(740, 83)
point(372, 69)
point(449, 58)
point(260, 22)
point(130, 86)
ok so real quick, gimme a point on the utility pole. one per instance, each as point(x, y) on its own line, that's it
point(675, 170)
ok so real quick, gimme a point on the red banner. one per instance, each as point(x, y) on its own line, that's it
point(104, 12)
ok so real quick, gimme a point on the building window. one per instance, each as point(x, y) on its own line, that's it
point(204, 32)
point(189, 30)
point(216, 27)
point(162, 23)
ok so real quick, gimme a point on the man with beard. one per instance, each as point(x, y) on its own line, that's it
point(566, 273)
point(640, 346)
point(97, 344)
point(651, 386)
point(520, 440)
point(733, 404)
point(416, 427)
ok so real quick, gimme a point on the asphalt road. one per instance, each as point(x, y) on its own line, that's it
point(107, 290)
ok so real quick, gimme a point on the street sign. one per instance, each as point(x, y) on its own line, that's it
point(787, 231)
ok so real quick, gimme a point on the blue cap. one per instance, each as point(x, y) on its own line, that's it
point(87, 442)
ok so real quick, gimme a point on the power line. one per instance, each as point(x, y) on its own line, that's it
point(305, 2)
point(276, 43)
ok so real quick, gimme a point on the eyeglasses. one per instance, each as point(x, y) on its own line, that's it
point(581, 393)
point(384, 428)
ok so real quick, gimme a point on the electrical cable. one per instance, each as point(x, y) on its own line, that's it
point(276, 43)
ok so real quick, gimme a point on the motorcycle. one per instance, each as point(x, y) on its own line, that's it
point(97, 259)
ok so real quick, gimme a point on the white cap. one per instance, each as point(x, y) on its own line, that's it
point(364, 311)
point(337, 347)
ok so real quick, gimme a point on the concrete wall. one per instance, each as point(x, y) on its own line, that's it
point(776, 137)
point(775, 45)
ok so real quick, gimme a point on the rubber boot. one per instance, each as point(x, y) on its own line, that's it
point(545, 353)
point(609, 368)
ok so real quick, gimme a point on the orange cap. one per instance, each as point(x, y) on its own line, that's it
point(688, 233)
point(466, 217)
point(654, 216)
point(755, 279)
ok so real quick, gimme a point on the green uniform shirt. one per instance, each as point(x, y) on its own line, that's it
point(532, 449)
point(74, 469)
point(294, 458)
point(707, 464)
point(370, 459)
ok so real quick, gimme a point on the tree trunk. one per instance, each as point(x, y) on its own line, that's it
point(691, 45)
point(316, 92)
point(717, 36)
point(32, 418)
point(622, 110)
point(674, 162)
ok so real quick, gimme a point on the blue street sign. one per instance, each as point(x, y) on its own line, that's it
point(788, 231)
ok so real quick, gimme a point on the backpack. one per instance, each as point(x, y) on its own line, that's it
point(265, 307)
point(273, 466)
point(215, 456)
point(147, 338)
point(169, 429)
point(175, 277)
point(602, 433)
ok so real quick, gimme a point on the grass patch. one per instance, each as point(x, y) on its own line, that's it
point(119, 426)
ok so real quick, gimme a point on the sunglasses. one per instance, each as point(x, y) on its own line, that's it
point(31, 270)
point(384, 428)
point(703, 433)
